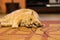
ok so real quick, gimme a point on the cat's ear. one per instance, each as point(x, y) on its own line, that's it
point(32, 13)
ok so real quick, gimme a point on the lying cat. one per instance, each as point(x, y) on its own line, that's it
point(21, 17)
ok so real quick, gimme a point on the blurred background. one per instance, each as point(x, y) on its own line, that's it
point(47, 9)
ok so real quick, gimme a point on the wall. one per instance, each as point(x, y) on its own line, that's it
point(3, 7)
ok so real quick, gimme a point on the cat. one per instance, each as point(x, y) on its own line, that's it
point(22, 17)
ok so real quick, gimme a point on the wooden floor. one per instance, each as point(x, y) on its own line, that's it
point(52, 33)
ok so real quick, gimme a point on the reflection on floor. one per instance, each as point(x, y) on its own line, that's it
point(49, 16)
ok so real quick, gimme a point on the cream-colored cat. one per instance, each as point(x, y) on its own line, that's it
point(22, 17)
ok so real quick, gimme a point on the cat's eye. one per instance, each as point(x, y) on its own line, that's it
point(30, 19)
